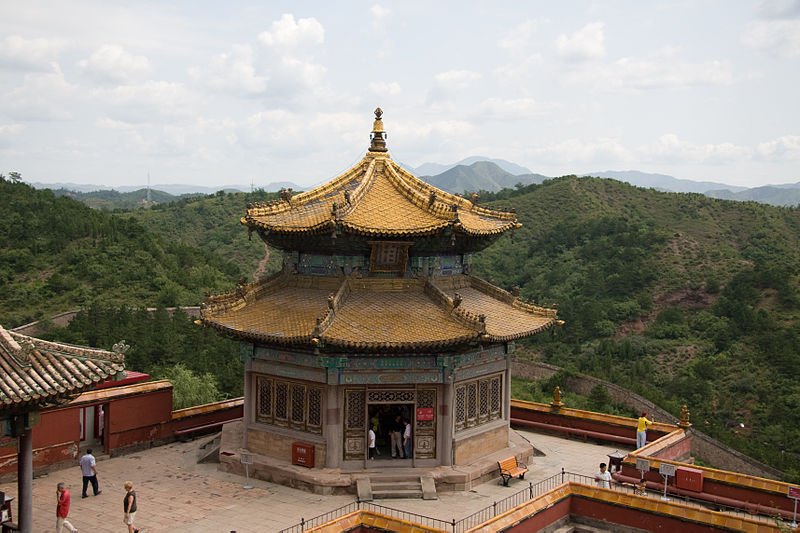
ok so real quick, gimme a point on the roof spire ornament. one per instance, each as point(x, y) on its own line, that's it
point(378, 135)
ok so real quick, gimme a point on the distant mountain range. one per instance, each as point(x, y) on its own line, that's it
point(433, 169)
point(472, 174)
point(175, 189)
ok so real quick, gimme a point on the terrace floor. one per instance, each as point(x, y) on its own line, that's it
point(177, 495)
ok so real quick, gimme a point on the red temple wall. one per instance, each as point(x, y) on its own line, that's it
point(544, 518)
point(631, 517)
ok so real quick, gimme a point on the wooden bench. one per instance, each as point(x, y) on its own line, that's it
point(511, 468)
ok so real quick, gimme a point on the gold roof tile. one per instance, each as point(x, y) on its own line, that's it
point(377, 314)
point(377, 197)
point(374, 313)
point(284, 310)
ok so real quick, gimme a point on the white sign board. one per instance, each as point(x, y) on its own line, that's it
point(642, 465)
point(666, 470)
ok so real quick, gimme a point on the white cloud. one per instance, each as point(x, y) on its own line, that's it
point(786, 148)
point(379, 12)
point(384, 87)
point(776, 37)
point(446, 84)
point(520, 36)
point(290, 33)
point(28, 54)
point(232, 72)
point(569, 152)
point(288, 60)
point(288, 134)
point(112, 63)
point(513, 108)
point(643, 74)
point(456, 79)
point(585, 44)
point(776, 9)
point(42, 96)
point(149, 102)
point(671, 149)
point(8, 132)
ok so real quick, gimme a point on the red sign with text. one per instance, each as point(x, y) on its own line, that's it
point(794, 492)
point(424, 413)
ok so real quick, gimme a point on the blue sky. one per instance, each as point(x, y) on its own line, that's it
point(217, 93)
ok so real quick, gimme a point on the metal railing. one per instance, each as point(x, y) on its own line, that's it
point(527, 494)
point(358, 505)
point(524, 495)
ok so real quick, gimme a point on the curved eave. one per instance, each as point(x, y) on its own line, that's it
point(326, 226)
point(403, 346)
point(461, 228)
point(522, 334)
point(378, 232)
point(256, 336)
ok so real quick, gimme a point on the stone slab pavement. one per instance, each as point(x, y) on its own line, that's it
point(177, 495)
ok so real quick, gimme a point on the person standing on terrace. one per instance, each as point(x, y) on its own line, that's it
point(641, 430)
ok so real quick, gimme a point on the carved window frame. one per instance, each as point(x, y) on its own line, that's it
point(389, 256)
point(291, 404)
point(478, 402)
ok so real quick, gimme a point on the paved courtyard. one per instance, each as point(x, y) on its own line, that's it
point(177, 495)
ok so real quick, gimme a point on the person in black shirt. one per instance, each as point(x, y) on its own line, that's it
point(129, 506)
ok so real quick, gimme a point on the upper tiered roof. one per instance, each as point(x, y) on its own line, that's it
point(376, 198)
point(35, 372)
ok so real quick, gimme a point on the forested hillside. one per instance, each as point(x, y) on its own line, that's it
point(56, 254)
point(211, 223)
point(683, 298)
point(680, 297)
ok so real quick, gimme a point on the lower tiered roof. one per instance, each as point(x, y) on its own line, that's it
point(35, 372)
point(374, 314)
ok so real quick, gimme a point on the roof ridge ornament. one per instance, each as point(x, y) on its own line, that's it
point(378, 135)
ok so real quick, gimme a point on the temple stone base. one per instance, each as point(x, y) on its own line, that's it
point(461, 477)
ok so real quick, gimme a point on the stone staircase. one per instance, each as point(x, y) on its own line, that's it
point(396, 486)
point(208, 451)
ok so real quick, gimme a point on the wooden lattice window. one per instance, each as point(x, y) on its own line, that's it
point(389, 256)
point(461, 408)
point(284, 403)
point(478, 402)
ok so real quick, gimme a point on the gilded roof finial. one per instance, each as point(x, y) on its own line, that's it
point(684, 421)
point(557, 403)
point(378, 135)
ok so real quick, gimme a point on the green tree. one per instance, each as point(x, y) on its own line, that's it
point(189, 389)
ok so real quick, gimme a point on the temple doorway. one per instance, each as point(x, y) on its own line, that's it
point(386, 419)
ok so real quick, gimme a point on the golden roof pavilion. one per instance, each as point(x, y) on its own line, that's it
point(376, 260)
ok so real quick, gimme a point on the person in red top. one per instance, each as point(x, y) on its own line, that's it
point(62, 509)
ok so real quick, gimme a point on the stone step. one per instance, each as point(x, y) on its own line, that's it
point(396, 486)
point(391, 494)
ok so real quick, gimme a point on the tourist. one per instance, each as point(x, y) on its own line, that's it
point(371, 443)
point(603, 477)
point(129, 505)
point(397, 437)
point(641, 430)
point(62, 509)
point(407, 442)
point(89, 471)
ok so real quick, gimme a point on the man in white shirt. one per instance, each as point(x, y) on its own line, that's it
point(603, 477)
point(407, 438)
point(371, 443)
point(89, 471)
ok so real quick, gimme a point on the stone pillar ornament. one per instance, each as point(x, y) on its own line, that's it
point(557, 403)
point(684, 421)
